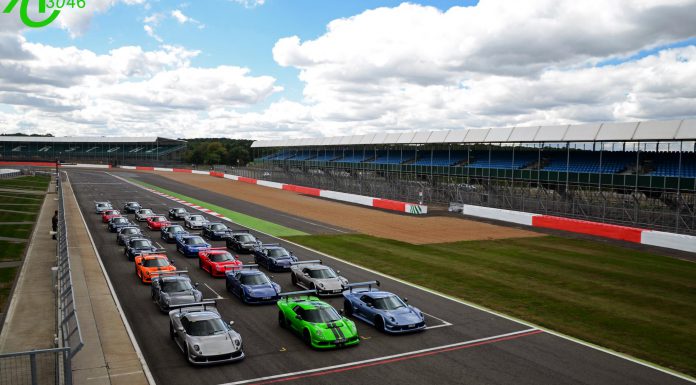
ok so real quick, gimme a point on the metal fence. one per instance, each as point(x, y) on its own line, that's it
point(51, 366)
point(9, 173)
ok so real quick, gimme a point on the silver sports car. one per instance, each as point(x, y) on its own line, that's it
point(312, 275)
point(142, 214)
point(175, 288)
point(203, 336)
point(100, 207)
point(195, 221)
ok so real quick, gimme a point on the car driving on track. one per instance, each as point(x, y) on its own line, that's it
point(217, 261)
point(242, 241)
point(215, 231)
point(100, 207)
point(195, 221)
point(149, 265)
point(202, 335)
point(138, 246)
point(125, 233)
point(273, 257)
point(316, 322)
point(252, 285)
point(108, 214)
point(142, 214)
point(174, 288)
point(116, 223)
point(169, 233)
point(156, 222)
point(131, 207)
point(191, 245)
point(177, 213)
point(382, 309)
point(312, 275)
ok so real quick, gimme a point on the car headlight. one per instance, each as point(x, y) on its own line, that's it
point(392, 319)
point(353, 329)
point(319, 332)
point(196, 348)
point(237, 342)
point(321, 285)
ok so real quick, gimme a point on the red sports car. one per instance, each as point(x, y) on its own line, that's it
point(108, 214)
point(156, 222)
point(217, 261)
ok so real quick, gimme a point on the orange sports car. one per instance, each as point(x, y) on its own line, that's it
point(108, 214)
point(156, 222)
point(151, 265)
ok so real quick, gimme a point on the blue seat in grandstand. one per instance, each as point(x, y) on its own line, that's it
point(503, 160)
point(393, 157)
point(327, 156)
point(590, 162)
point(440, 158)
point(668, 164)
point(353, 158)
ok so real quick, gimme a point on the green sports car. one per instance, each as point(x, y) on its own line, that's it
point(317, 322)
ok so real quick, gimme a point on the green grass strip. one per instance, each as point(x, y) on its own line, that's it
point(7, 275)
point(630, 301)
point(271, 228)
point(11, 251)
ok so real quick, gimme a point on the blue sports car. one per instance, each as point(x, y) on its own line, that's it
point(190, 245)
point(169, 233)
point(118, 222)
point(273, 257)
point(138, 246)
point(382, 309)
point(252, 285)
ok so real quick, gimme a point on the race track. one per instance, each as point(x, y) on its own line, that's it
point(464, 345)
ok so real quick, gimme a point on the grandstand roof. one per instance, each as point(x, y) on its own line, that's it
point(665, 130)
point(87, 139)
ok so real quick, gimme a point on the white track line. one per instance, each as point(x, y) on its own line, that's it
point(138, 352)
point(442, 325)
point(479, 307)
point(383, 358)
point(214, 292)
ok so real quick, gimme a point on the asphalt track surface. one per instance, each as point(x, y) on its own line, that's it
point(464, 345)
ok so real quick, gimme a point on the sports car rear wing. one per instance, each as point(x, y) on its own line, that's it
point(289, 294)
point(251, 266)
point(156, 274)
point(306, 262)
point(367, 284)
point(194, 306)
point(271, 244)
point(240, 231)
point(216, 248)
point(158, 251)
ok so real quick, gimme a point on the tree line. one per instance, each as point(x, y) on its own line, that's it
point(232, 152)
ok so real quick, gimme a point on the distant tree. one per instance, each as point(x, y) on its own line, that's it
point(210, 151)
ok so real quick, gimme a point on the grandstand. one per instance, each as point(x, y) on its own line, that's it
point(113, 150)
point(640, 174)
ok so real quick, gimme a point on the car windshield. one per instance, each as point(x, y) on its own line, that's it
point(245, 238)
point(322, 315)
point(158, 219)
point(145, 212)
point(224, 257)
point(206, 327)
point(141, 243)
point(322, 273)
point(155, 262)
point(132, 204)
point(195, 241)
point(130, 230)
point(277, 253)
point(254, 279)
point(195, 218)
point(388, 303)
point(175, 229)
point(179, 210)
point(176, 286)
point(218, 227)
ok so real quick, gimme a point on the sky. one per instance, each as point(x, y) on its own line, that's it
point(276, 69)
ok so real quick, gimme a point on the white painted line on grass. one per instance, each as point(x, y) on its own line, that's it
point(477, 307)
point(383, 358)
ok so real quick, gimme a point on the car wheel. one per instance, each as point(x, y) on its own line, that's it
point(306, 338)
point(171, 331)
point(379, 324)
point(281, 320)
point(348, 308)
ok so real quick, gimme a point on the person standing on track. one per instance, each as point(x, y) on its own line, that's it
point(54, 222)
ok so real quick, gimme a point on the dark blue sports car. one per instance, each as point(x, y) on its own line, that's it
point(273, 257)
point(138, 246)
point(215, 231)
point(190, 245)
point(169, 233)
point(252, 285)
point(116, 223)
point(382, 309)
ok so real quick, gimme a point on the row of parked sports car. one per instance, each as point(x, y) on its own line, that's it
point(197, 327)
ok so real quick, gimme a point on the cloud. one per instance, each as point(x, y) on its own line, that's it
point(151, 32)
point(250, 3)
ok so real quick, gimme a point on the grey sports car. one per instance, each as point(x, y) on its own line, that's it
point(100, 207)
point(203, 336)
point(312, 275)
point(142, 214)
point(175, 288)
point(178, 213)
point(126, 233)
point(195, 221)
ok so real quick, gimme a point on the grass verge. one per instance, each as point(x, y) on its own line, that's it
point(7, 275)
point(258, 224)
point(37, 182)
point(633, 302)
point(11, 251)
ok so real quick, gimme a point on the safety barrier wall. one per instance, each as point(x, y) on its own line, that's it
point(624, 233)
point(386, 204)
point(6, 173)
